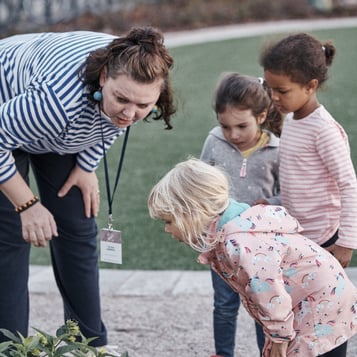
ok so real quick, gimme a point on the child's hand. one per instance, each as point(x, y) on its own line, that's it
point(261, 201)
point(278, 349)
point(342, 254)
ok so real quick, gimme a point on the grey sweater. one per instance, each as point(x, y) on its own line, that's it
point(262, 167)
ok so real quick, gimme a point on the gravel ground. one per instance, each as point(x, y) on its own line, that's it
point(163, 326)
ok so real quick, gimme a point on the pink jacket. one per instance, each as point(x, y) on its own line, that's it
point(297, 290)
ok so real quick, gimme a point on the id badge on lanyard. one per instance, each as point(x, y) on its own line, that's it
point(111, 239)
point(110, 245)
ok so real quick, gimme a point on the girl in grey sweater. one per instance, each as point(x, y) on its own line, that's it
point(245, 145)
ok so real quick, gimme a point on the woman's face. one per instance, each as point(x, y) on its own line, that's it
point(126, 101)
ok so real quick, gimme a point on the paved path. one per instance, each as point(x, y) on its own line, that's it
point(136, 283)
point(132, 282)
point(212, 34)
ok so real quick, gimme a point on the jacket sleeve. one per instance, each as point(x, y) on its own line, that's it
point(206, 153)
point(333, 148)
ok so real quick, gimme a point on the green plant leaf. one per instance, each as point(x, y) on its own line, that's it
point(72, 347)
point(81, 354)
point(45, 334)
point(4, 346)
point(87, 341)
point(32, 342)
point(17, 350)
point(10, 335)
point(46, 350)
point(61, 331)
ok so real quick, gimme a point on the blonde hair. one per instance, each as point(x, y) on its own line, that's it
point(193, 193)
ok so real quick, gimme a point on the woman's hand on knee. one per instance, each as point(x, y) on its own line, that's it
point(87, 182)
point(38, 225)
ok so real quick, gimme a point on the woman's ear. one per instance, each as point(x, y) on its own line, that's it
point(102, 77)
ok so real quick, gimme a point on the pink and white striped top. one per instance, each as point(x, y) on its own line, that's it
point(317, 178)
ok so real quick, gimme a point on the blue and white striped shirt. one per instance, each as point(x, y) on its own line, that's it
point(43, 103)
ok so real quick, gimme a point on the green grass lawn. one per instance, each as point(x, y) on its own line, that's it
point(152, 151)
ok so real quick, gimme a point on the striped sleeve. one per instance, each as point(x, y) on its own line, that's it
point(334, 151)
point(89, 159)
point(27, 118)
point(42, 100)
point(7, 166)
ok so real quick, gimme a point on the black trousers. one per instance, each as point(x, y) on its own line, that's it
point(340, 351)
point(74, 252)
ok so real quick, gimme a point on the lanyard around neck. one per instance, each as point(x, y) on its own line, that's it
point(110, 196)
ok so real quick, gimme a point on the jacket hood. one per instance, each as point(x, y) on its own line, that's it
point(276, 220)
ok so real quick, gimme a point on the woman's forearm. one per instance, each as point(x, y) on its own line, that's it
point(17, 190)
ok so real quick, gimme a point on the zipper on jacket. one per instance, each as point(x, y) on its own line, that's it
point(243, 169)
